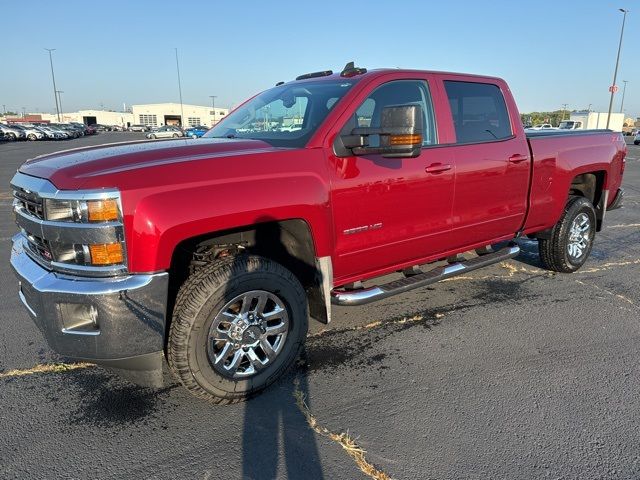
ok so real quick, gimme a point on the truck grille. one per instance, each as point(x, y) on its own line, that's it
point(30, 202)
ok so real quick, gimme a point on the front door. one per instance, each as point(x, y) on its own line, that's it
point(388, 211)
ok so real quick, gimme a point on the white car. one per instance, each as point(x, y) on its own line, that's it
point(52, 134)
point(11, 133)
point(31, 133)
point(165, 132)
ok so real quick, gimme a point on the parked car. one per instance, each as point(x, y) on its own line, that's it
point(52, 133)
point(100, 128)
point(12, 133)
point(165, 132)
point(217, 253)
point(196, 132)
point(636, 139)
point(542, 126)
point(138, 128)
point(70, 130)
point(30, 132)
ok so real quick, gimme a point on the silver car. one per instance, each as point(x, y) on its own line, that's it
point(12, 133)
point(165, 132)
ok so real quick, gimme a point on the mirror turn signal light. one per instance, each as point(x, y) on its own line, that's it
point(102, 210)
point(409, 139)
point(106, 254)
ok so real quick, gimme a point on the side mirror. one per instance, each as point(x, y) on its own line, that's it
point(400, 134)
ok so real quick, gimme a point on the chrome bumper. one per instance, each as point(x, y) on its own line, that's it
point(129, 313)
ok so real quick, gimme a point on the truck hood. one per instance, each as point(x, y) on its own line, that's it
point(72, 169)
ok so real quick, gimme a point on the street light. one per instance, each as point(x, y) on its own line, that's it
point(564, 109)
point(624, 89)
point(180, 91)
point(213, 107)
point(615, 72)
point(60, 101)
point(53, 77)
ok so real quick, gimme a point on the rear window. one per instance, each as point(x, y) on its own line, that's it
point(479, 112)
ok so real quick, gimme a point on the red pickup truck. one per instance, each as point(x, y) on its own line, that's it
point(213, 253)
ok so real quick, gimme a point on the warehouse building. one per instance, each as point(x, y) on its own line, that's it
point(158, 114)
point(153, 115)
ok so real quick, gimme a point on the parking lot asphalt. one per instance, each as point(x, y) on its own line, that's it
point(508, 372)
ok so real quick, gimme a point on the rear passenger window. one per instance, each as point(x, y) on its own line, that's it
point(479, 111)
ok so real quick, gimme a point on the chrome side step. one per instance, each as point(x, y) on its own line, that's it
point(371, 294)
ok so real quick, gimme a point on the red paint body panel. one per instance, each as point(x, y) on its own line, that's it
point(371, 215)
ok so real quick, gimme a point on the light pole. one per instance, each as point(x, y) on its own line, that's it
point(624, 89)
point(615, 72)
point(53, 77)
point(564, 109)
point(180, 91)
point(589, 107)
point(213, 107)
point(4, 109)
point(60, 101)
point(24, 113)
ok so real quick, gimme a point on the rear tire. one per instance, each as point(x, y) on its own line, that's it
point(205, 310)
point(571, 238)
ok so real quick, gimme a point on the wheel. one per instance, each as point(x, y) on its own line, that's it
point(153, 136)
point(175, 135)
point(11, 136)
point(194, 136)
point(571, 238)
point(238, 325)
point(636, 143)
point(32, 137)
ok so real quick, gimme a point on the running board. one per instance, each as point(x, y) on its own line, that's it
point(372, 294)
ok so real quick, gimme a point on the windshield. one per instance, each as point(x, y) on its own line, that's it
point(566, 125)
point(284, 116)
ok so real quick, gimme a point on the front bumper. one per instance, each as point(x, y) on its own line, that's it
point(129, 311)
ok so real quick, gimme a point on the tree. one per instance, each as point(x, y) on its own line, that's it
point(535, 118)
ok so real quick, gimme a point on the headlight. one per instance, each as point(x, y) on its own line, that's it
point(82, 211)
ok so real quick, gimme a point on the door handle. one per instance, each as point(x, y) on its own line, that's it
point(437, 168)
point(517, 158)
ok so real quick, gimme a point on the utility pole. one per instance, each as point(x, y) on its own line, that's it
point(53, 77)
point(624, 89)
point(213, 107)
point(589, 107)
point(24, 113)
point(60, 101)
point(564, 109)
point(180, 91)
point(615, 71)
point(4, 109)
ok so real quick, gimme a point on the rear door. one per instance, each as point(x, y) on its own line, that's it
point(492, 160)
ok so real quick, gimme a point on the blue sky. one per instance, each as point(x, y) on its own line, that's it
point(550, 52)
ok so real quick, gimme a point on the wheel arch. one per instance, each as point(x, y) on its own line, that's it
point(289, 242)
point(591, 185)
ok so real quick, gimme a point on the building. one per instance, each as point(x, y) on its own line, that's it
point(153, 115)
point(158, 114)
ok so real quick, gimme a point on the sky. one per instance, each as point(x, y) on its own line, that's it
point(122, 52)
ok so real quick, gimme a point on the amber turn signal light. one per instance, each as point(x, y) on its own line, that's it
point(410, 139)
point(102, 210)
point(106, 253)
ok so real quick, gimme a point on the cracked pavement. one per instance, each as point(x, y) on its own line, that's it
point(508, 372)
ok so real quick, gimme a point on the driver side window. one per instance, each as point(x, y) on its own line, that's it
point(400, 92)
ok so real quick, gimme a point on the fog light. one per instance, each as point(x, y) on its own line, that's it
point(106, 254)
point(79, 318)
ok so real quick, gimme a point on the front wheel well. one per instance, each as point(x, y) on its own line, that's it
point(288, 242)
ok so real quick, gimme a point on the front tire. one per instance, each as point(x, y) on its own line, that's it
point(238, 325)
point(571, 238)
